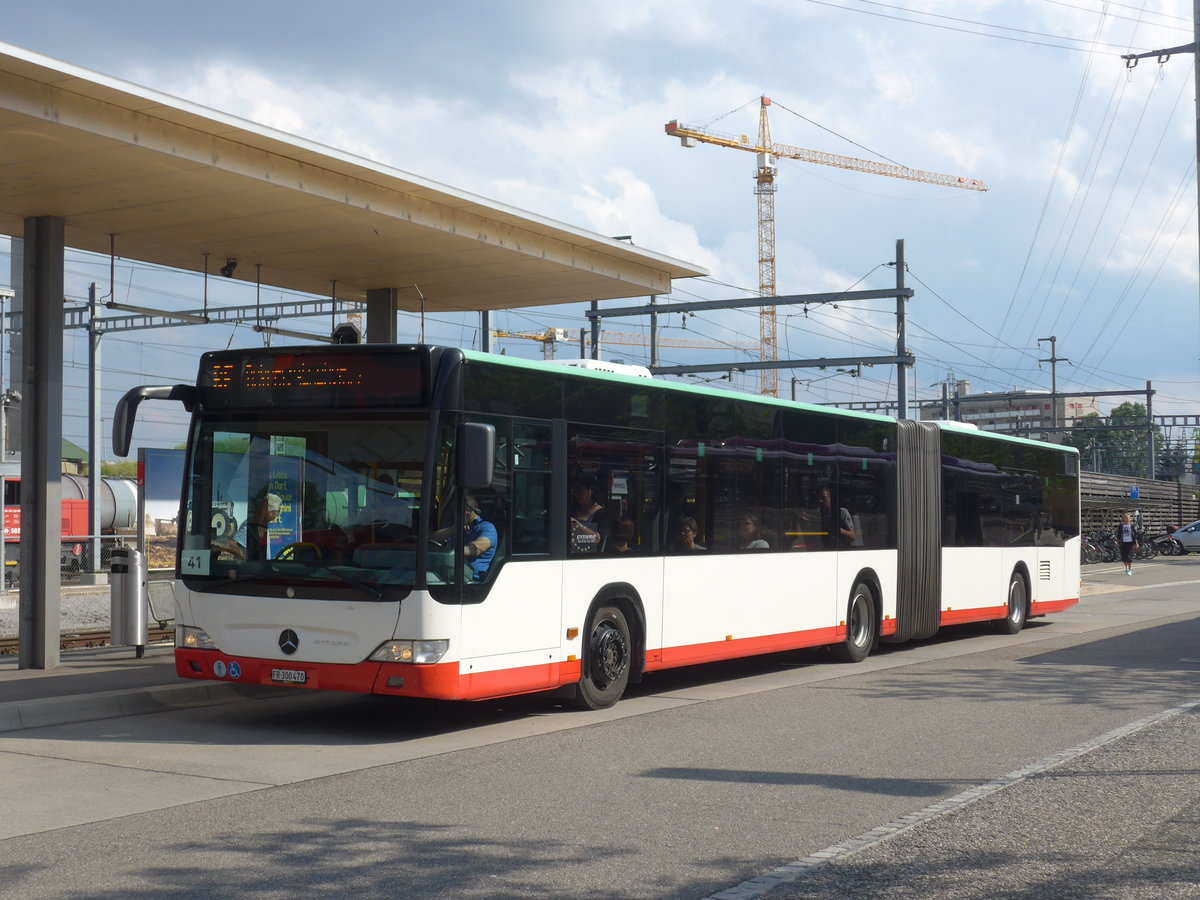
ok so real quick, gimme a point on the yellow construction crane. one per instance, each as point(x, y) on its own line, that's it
point(552, 336)
point(764, 188)
point(548, 338)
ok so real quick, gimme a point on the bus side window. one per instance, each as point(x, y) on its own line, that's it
point(616, 470)
point(531, 488)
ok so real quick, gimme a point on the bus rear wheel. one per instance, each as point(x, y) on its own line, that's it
point(860, 625)
point(606, 659)
point(1017, 606)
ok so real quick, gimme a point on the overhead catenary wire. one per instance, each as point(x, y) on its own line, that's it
point(985, 34)
point(1130, 209)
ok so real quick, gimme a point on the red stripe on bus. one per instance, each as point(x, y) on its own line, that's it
point(962, 616)
point(1051, 606)
point(442, 681)
point(447, 681)
point(358, 677)
point(692, 654)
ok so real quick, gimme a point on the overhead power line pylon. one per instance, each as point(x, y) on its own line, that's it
point(764, 189)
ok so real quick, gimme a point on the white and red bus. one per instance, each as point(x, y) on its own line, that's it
point(722, 525)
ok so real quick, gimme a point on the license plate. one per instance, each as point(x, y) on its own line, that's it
point(289, 676)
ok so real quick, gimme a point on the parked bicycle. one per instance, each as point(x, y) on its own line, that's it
point(1146, 548)
point(1089, 551)
point(1108, 546)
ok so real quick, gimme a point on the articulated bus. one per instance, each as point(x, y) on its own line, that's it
point(712, 525)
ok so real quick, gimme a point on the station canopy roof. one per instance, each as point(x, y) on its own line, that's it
point(165, 181)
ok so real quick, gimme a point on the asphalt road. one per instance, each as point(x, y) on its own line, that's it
point(697, 785)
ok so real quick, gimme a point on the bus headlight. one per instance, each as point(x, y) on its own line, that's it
point(194, 639)
point(410, 651)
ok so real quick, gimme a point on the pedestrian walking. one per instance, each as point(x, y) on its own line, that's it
point(1127, 538)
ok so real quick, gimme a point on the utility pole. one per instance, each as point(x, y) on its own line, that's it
point(5, 395)
point(901, 333)
point(95, 446)
point(596, 326)
point(1054, 360)
point(653, 334)
point(1150, 461)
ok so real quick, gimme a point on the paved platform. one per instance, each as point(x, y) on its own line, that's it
point(105, 682)
point(1113, 819)
point(1117, 817)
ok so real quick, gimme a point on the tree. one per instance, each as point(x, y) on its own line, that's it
point(1121, 448)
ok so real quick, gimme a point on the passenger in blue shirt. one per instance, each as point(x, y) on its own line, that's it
point(479, 538)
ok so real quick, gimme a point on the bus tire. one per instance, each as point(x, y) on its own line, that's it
point(607, 657)
point(1018, 605)
point(860, 624)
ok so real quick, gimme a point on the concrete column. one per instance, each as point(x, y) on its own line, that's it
point(381, 315)
point(41, 460)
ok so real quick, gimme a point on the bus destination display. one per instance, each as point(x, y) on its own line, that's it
point(329, 379)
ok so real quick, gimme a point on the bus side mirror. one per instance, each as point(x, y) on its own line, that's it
point(126, 410)
point(476, 451)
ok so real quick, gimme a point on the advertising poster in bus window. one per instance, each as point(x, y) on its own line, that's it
point(285, 481)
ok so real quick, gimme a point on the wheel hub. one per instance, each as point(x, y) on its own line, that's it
point(609, 656)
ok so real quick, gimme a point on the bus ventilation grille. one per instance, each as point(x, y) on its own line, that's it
point(1044, 570)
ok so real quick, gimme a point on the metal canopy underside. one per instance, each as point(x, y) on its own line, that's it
point(174, 181)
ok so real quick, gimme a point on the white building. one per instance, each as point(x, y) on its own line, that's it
point(1026, 413)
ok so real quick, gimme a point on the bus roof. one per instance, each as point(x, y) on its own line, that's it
point(614, 371)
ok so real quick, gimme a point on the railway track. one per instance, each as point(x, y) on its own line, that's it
point(82, 640)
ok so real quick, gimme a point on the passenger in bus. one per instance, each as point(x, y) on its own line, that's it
point(750, 536)
point(479, 538)
point(620, 540)
point(250, 540)
point(837, 529)
point(686, 531)
point(587, 517)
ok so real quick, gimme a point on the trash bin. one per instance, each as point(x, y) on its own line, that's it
point(128, 600)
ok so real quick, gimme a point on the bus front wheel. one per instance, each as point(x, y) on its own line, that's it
point(860, 624)
point(606, 659)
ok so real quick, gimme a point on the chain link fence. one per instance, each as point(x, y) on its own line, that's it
point(75, 558)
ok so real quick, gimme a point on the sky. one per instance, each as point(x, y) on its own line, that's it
point(1088, 231)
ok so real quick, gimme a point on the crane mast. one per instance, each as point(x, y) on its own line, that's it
point(768, 152)
point(764, 192)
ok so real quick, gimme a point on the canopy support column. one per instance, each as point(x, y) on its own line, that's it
point(42, 321)
point(381, 315)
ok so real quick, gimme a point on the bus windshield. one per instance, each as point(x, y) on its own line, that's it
point(282, 499)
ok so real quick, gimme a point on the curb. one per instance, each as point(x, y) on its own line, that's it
point(19, 715)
